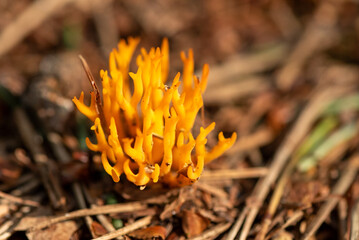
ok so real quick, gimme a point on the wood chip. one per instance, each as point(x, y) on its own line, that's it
point(193, 224)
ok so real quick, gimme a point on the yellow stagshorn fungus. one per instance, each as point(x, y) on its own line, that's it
point(147, 134)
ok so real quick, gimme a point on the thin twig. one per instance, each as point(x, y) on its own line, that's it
point(340, 188)
point(299, 130)
point(354, 222)
point(58, 148)
point(307, 147)
point(127, 229)
point(113, 208)
point(98, 104)
point(343, 216)
point(212, 190)
point(174, 206)
point(12, 198)
point(213, 232)
point(101, 217)
point(8, 227)
point(291, 221)
point(82, 204)
point(21, 180)
point(28, 187)
point(240, 173)
point(237, 225)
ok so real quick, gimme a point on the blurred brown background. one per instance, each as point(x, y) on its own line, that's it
point(239, 39)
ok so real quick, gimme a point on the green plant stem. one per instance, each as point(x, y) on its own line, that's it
point(340, 136)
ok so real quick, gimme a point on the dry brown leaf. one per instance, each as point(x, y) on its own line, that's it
point(63, 230)
point(193, 224)
point(98, 229)
point(8, 170)
point(153, 232)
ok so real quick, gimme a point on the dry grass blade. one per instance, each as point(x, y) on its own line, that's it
point(318, 134)
point(246, 64)
point(344, 182)
point(259, 138)
point(80, 192)
point(237, 225)
point(114, 208)
point(30, 138)
point(301, 127)
point(213, 232)
point(127, 229)
point(99, 108)
point(63, 156)
point(235, 90)
point(293, 219)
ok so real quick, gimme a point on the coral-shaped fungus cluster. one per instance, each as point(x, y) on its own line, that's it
point(146, 133)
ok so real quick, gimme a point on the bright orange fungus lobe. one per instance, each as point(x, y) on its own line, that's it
point(149, 129)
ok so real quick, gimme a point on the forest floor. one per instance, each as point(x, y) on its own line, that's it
point(283, 75)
